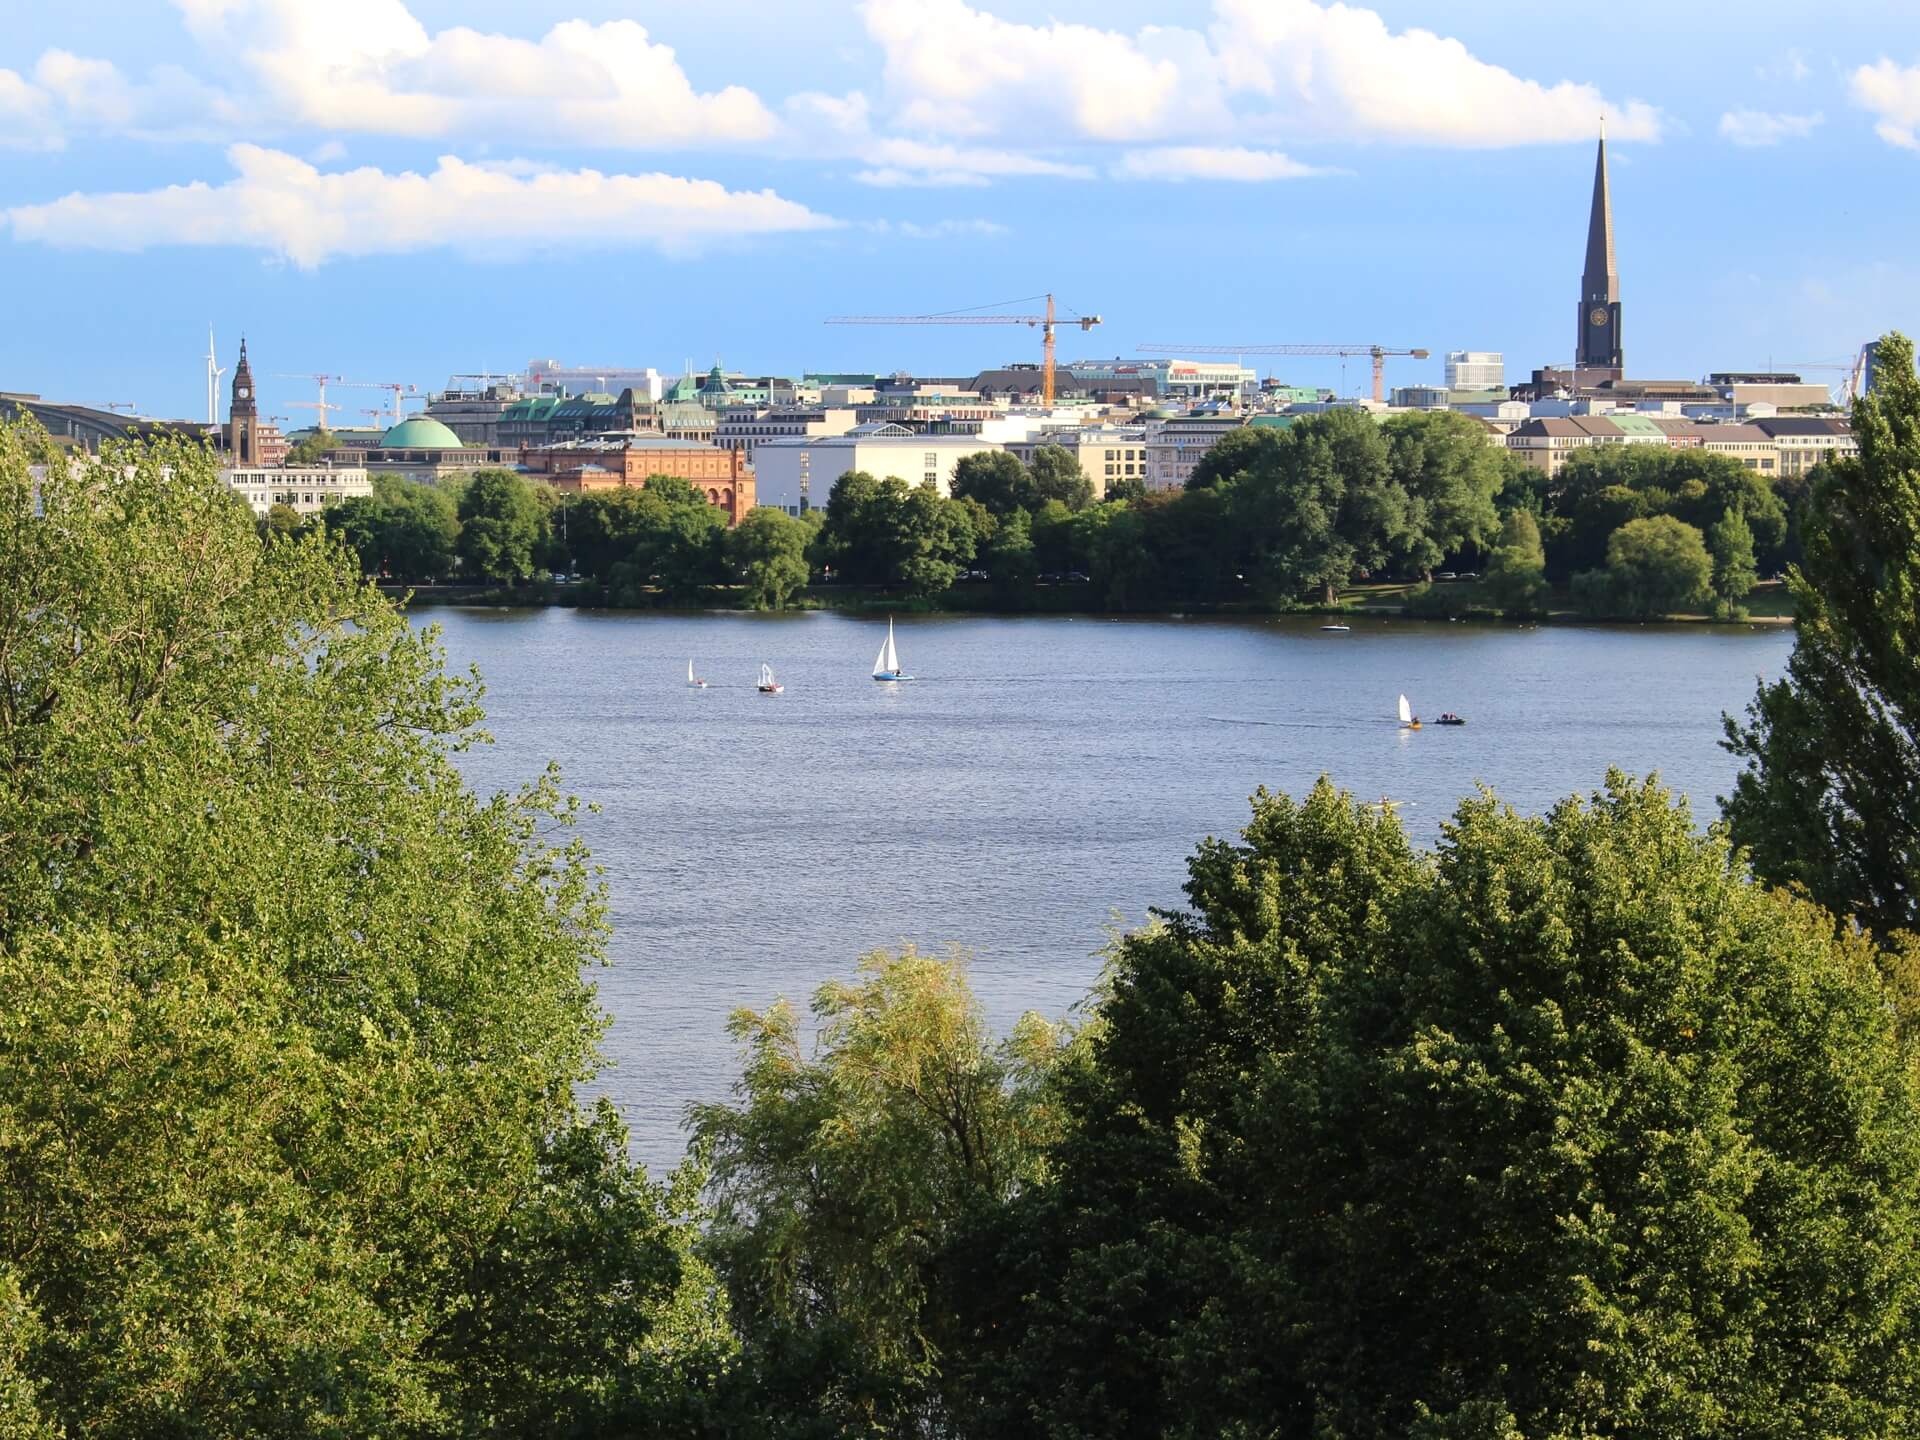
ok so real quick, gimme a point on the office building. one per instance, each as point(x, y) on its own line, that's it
point(1476, 370)
point(797, 474)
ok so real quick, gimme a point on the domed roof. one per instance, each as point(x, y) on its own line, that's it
point(420, 433)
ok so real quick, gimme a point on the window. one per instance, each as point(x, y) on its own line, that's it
point(932, 461)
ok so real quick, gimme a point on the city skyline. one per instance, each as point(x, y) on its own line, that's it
point(428, 188)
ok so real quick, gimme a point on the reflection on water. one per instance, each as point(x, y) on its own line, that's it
point(1040, 777)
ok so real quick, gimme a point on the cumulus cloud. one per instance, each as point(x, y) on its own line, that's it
point(371, 66)
point(1275, 67)
point(841, 126)
point(1211, 162)
point(939, 229)
point(1761, 127)
point(68, 95)
point(280, 204)
point(1892, 94)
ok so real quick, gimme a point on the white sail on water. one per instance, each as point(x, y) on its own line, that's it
point(888, 661)
point(1406, 711)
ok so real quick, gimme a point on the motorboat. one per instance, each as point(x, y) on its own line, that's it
point(1451, 719)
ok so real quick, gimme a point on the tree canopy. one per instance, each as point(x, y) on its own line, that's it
point(293, 1021)
point(1830, 797)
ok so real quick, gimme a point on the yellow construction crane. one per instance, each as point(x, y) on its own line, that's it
point(1378, 354)
point(1046, 323)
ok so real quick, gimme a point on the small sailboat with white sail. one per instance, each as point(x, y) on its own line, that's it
point(886, 665)
point(693, 681)
point(768, 685)
point(1408, 720)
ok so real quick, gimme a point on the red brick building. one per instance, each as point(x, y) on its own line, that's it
point(722, 475)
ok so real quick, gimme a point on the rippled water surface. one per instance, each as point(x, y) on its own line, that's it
point(1040, 777)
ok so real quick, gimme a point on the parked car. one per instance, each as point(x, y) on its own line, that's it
point(1445, 575)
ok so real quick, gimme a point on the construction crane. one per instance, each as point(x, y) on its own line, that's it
point(1854, 369)
point(321, 405)
point(394, 386)
point(1046, 322)
point(1377, 353)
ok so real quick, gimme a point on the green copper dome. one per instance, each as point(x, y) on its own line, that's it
point(420, 433)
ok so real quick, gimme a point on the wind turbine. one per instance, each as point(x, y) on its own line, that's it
point(214, 371)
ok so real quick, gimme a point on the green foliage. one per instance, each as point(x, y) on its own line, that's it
point(404, 530)
point(503, 528)
point(280, 522)
point(770, 548)
point(1570, 1129)
point(1009, 556)
point(1057, 476)
point(1695, 487)
point(290, 1021)
point(997, 480)
point(1451, 476)
point(1516, 578)
point(880, 532)
point(1830, 798)
point(1125, 488)
point(675, 544)
point(1655, 566)
point(1730, 542)
point(313, 449)
point(845, 1186)
point(1233, 455)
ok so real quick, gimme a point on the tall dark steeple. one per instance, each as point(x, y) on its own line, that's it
point(1598, 348)
point(243, 443)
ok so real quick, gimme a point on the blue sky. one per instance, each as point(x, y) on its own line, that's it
point(401, 189)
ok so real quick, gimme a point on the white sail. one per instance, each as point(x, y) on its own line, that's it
point(1406, 711)
point(766, 677)
point(887, 662)
point(689, 672)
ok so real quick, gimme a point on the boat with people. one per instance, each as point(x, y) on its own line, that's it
point(1451, 719)
point(886, 665)
point(768, 685)
point(1408, 720)
point(693, 681)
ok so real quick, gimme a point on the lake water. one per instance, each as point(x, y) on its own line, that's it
point(1039, 779)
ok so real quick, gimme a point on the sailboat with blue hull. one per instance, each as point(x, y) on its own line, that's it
point(886, 665)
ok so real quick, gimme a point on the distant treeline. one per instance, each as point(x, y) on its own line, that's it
point(1271, 518)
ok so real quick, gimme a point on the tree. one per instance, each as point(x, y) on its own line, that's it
point(880, 532)
point(1057, 476)
point(1568, 1129)
point(1315, 504)
point(677, 545)
point(293, 1020)
point(1830, 797)
point(1234, 454)
point(1127, 487)
point(280, 522)
point(997, 480)
point(1516, 578)
point(770, 546)
point(1730, 542)
point(1451, 473)
point(1655, 566)
point(845, 1184)
point(312, 448)
point(1009, 556)
point(502, 528)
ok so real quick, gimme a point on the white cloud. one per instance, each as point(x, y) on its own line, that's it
point(1272, 67)
point(370, 65)
point(69, 95)
point(1210, 162)
point(939, 229)
point(26, 115)
point(1892, 93)
point(283, 205)
point(840, 126)
point(1761, 127)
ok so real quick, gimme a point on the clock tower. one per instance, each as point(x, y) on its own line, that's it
point(243, 419)
point(1597, 351)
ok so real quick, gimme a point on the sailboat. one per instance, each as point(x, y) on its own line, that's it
point(769, 685)
point(692, 682)
point(1408, 719)
point(886, 665)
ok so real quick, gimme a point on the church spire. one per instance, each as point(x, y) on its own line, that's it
point(1598, 344)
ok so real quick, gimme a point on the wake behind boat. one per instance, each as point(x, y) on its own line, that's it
point(886, 665)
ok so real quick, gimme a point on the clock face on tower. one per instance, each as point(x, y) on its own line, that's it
point(1597, 315)
point(244, 392)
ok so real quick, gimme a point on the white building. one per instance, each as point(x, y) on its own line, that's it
point(745, 428)
point(306, 490)
point(1175, 379)
point(550, 377)
point(1175, 446)
point(797, 474)
point(1476, 370)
